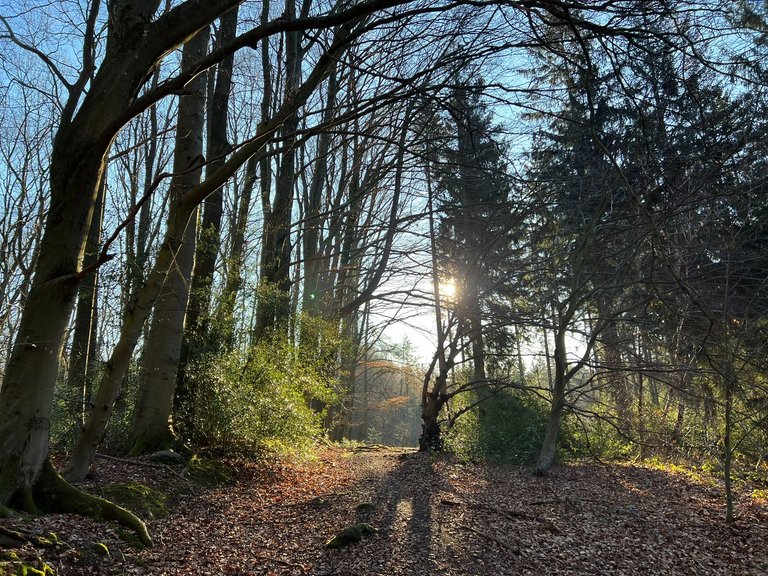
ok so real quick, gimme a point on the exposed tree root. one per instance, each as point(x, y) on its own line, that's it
point(56, 494)
point(11, 538)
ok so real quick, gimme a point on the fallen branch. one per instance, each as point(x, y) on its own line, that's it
point(149, 465)
point(492, 538)
point(281, 562)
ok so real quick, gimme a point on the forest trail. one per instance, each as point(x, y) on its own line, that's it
point(434, 516)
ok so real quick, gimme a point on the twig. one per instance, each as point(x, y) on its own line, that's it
point(492, 538)
point(281, 562)
point(149, 465)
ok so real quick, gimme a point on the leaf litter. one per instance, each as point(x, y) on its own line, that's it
point(433, 516)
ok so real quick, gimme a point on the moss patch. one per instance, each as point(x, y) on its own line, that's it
point(140, 499)
point(47, 540)
point(210, 473)
point(351, 535)
point(23, 569)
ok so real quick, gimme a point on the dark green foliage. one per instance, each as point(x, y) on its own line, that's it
point(507, 427)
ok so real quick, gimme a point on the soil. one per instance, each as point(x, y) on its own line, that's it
point(433, 515)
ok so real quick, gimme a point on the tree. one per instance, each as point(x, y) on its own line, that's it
point(151, 429)
point(475, 193)
point(136, 42)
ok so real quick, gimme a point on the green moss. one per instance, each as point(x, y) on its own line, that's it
point(48, 540)
point(9, 556)
point(57, 494)
point(142, 500)
point(350, 535)
point(30, 570)
point(209, 473)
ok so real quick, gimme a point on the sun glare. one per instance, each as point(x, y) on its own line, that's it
point(448, 289)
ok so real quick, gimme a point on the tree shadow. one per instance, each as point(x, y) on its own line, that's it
point(403, 507)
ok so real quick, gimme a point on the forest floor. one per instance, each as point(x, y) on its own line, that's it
point(433, 515)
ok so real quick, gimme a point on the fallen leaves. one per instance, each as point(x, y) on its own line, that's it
point(434, 516)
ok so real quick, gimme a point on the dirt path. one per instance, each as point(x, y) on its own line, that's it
point(436, 516)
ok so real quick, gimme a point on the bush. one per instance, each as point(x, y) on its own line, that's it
point(594, 436)
point(259, 399)
point(507, 427)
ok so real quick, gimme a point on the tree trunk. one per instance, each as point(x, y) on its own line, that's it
point(136, 40)
point(77, 167)
point(549, 445)
point(313, 222)
point(82, 359)
point(151, 428)
point(728, 443)
point(116, 367)
point(209, 241)
point(273, 306)
point(431, 439)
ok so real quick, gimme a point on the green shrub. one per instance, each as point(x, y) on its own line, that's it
point(259, 399)
point(594, 436)
point(506, 427)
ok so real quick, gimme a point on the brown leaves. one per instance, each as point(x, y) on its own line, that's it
point(435, 517)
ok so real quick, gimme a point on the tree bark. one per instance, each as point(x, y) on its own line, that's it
point(82, 358)
point(151, 429)
point(273, 306)
point(549, 444)
point(209, 240)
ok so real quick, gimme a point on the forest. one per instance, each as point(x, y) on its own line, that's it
point(454, 280)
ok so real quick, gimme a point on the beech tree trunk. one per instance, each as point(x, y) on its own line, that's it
point(82, 358)
point(273, 306)
point(151, 429)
